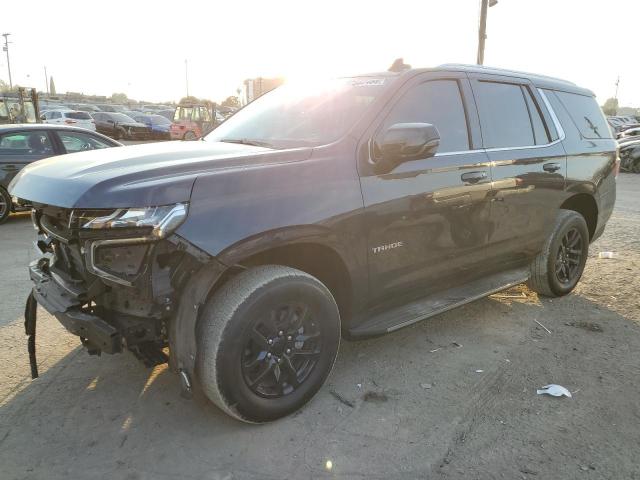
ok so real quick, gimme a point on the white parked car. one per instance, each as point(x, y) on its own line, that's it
point(69, 117)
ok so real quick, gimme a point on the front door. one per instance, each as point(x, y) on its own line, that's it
point(427, 220)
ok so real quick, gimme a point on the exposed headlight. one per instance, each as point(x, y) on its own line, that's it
point(163, 220)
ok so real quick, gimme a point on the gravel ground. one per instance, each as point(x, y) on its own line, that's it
point(453, 397)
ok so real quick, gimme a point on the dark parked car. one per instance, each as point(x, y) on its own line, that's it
point(160, 127)
point(119, 125)
point(350, 209)
point(23, 144)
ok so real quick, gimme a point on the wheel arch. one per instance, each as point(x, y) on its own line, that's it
point(317, 259)
point(585, 205)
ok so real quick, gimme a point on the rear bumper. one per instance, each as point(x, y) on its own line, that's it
point(64, 300)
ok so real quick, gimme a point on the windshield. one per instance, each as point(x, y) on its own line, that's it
point(301, 115)
point(121, 117)
point(78, 115)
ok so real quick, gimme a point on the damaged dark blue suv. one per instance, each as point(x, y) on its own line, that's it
point(348, 208)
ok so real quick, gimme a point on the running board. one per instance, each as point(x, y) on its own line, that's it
point(439, 302)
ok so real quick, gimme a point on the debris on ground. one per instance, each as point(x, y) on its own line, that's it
point(457, 345)
point(554, 390)
point(607, 255)
point(479, 371)
point(435, 350)
point(500, 295)
point(589, 326)
point(548, 331)
point(426, 386)
point(374, 397)
point(341, 399)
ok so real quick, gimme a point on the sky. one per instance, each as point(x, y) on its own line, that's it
point(140, 47)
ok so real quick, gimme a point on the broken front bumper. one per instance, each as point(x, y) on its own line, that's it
point(64, 299)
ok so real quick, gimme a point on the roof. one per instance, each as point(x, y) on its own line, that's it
point(542, 81)
point(6, 128)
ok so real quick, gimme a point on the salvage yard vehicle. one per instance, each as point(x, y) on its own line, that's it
point(19, 106)
point(120, 126)
point(159, 126)
point(69, 117)
point(21, 145)
point(191, 121)
point(348, 208)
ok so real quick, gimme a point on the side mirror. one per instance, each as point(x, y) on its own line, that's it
point(403, 142)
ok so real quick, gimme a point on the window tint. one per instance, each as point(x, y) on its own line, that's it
point(25, 143)
point(76, 142)
point(437, 102)
point(504, 117)
point(586, 115)
point(539, 132)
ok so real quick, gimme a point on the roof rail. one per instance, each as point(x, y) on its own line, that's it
point(504, 70)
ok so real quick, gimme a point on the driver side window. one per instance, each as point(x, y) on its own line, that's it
point(439, 103)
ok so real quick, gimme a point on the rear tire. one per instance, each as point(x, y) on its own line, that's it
point(190, 136)
point(5, 205)
point(267, 341)
point(557, 269)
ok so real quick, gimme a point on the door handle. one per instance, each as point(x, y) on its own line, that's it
point(551, 167)
point(473, 177)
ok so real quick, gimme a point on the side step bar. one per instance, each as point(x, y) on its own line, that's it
point(438, 302)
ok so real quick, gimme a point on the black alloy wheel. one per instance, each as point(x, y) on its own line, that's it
point(267, 341)
point(569, 257)
point(281, 350)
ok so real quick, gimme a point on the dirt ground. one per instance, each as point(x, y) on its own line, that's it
point(452, 397)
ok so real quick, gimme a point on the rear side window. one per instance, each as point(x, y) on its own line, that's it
point(439, 103)
point(586, 115)
point(504, 116)
point(78, 115)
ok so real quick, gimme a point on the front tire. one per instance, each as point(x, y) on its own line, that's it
point(5, 205)
point(557, 269)
point(268, 340)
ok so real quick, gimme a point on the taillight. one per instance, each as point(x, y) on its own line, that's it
point(69, 122)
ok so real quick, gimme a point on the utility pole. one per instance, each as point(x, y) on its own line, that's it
point(617, 83)
point(46, 80)
point(482, 30)
point(6, 49)
point(186, 75)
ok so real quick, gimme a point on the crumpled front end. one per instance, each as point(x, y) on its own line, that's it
point(114, 279)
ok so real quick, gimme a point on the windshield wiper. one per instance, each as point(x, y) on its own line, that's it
point(247, 141)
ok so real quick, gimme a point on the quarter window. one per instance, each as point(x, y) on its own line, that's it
point(586, 115)
point(439, 103)
point(504, 116)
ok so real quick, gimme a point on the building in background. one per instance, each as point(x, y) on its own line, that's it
point(253, 88)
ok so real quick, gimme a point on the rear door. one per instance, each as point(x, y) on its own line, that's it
point(19, 148)
point(528, 164)
point(427, 219)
